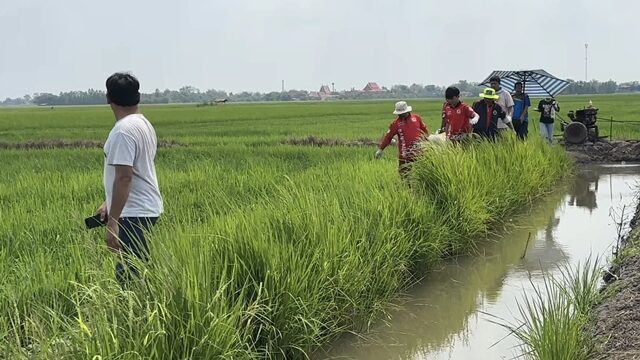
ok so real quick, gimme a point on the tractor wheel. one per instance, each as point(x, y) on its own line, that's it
point(575, 133)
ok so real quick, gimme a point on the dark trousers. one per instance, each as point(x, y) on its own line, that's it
point(134, 244)
point(490, 134)
point(521, 128)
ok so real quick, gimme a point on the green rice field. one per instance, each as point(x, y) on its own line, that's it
point(266, 249)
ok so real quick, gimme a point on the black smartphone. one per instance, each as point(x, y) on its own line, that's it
point(94, 221)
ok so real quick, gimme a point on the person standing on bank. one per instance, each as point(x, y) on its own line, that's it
point(547, 108)
point(505, 101)
point(133, 201)
point(521, 104)
point(490, 114)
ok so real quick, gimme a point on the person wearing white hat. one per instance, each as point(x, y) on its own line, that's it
point(410, 129)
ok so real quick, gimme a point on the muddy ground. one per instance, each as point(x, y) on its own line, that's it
point(615, 151)
point(320, 142)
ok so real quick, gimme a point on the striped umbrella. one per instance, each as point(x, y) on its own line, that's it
point(537, 83)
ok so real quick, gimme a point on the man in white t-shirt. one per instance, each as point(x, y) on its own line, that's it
point(133, 200)
point(505, 101)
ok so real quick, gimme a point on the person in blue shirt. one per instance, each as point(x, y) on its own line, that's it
point(521, 104)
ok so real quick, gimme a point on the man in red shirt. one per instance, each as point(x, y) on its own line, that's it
point(457, 117)
point(410, 130)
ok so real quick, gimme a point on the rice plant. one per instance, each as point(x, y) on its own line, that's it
point(554, 318)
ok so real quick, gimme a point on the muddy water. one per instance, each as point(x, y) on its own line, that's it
point(446, 316)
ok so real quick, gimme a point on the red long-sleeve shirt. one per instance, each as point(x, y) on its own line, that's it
point(409, 132)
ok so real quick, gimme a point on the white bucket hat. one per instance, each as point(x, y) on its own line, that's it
point(402, 107)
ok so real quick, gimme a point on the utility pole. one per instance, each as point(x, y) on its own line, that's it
point(586, 62)
point(333, 87)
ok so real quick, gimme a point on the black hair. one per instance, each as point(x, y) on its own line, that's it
point(517, 83)
point(495, 78)
point(451, 92)
point(123, 89)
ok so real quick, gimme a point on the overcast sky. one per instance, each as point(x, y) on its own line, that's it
point(53, 46)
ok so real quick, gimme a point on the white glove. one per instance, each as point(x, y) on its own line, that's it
point(507, 119)
point(378, 154)
point(474, 119)
point(393, 141)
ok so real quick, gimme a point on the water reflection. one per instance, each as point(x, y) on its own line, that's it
point(545, 252)
point(583, 191)
point(442, 319)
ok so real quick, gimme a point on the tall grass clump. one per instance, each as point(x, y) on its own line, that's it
point(554, 319)
point(479, 187)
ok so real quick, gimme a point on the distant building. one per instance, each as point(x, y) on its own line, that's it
point(324, 90)
point(372, 87)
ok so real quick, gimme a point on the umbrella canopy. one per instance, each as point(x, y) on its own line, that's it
point(537, 83)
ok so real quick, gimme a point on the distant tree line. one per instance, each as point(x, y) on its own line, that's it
point(190, 94)
point(597, 87)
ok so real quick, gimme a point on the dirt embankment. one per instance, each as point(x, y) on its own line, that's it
point(616, 326)
point(62, 144)
point(615, 151)
point(320, 142)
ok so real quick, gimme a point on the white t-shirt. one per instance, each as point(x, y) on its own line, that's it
point(505, 101)
point(132, 142)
